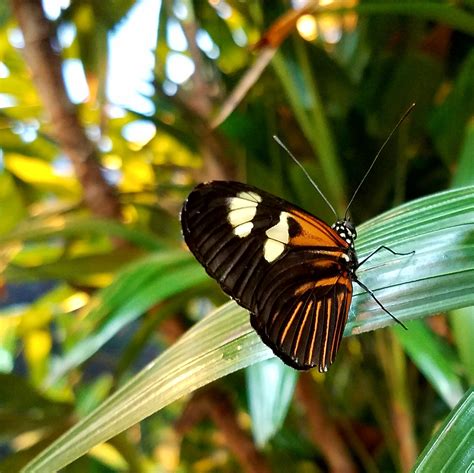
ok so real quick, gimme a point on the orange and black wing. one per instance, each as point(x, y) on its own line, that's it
point(287, 267)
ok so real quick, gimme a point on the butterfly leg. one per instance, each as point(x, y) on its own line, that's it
point(383, 247)
point(363, 286)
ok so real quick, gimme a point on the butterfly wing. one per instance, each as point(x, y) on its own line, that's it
point(287, 267)
point(302, 308)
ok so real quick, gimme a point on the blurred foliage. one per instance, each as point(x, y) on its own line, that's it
point(86, 303)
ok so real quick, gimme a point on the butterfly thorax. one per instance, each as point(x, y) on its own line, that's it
point(346, 230)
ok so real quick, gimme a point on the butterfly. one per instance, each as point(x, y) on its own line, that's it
point(289, 269)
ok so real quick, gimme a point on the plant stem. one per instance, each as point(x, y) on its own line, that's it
point(316, 129)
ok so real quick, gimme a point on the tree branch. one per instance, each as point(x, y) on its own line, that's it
point(216, 404)
point(322, 429)
point(41, 55)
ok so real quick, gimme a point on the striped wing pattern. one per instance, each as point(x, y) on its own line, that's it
point(301, 309)
point(288, 268)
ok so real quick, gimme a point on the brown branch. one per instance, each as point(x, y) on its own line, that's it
point(216, 404)
point(200, 103)
point(203, 90)
point(211, 144)
point(402, 421)
point(394, 364)
point(217, 164)
point(196, 411)
point(41, 55)
point(323, 432)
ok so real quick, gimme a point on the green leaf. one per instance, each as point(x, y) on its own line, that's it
point(462, 324)
point(59, 226)
point(270, 386)
point(432, 11)
point(77, 270)
point(135, 289)
point(433, 359)
point(448, 125)
point(452, 447)
point(12, 208)
point(23, 409)
point(303, 95)
point(462, 320)
point(221, 343)
point(438, 277)
point(4, 13)
point(465, 169)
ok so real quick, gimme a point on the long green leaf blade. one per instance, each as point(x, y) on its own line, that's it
point(136, 289)
point(270, 386)
point(452, 448)
point(433, 360)
point(438, 277)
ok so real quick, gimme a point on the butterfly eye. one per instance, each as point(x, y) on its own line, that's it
point(351, 229)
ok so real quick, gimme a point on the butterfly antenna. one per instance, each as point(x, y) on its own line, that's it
point(410, 108)
point(305, 172)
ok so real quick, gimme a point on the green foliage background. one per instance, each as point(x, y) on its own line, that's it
point(89, 302)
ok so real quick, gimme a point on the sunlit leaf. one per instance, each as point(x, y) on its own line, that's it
point(37, 346)
point(12, 208)
point(41, 174)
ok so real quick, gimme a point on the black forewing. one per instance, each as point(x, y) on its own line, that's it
point(236, 263)
point(299, 302)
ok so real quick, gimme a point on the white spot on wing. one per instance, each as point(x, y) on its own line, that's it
point(280, 231)
point(250, 196)
point(243, 229)
point(242, 210)
point(272, 250)
point(278, 237)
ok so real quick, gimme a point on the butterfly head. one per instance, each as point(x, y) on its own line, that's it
point(346, 230)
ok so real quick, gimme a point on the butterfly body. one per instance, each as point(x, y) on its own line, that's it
point(291, 270)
